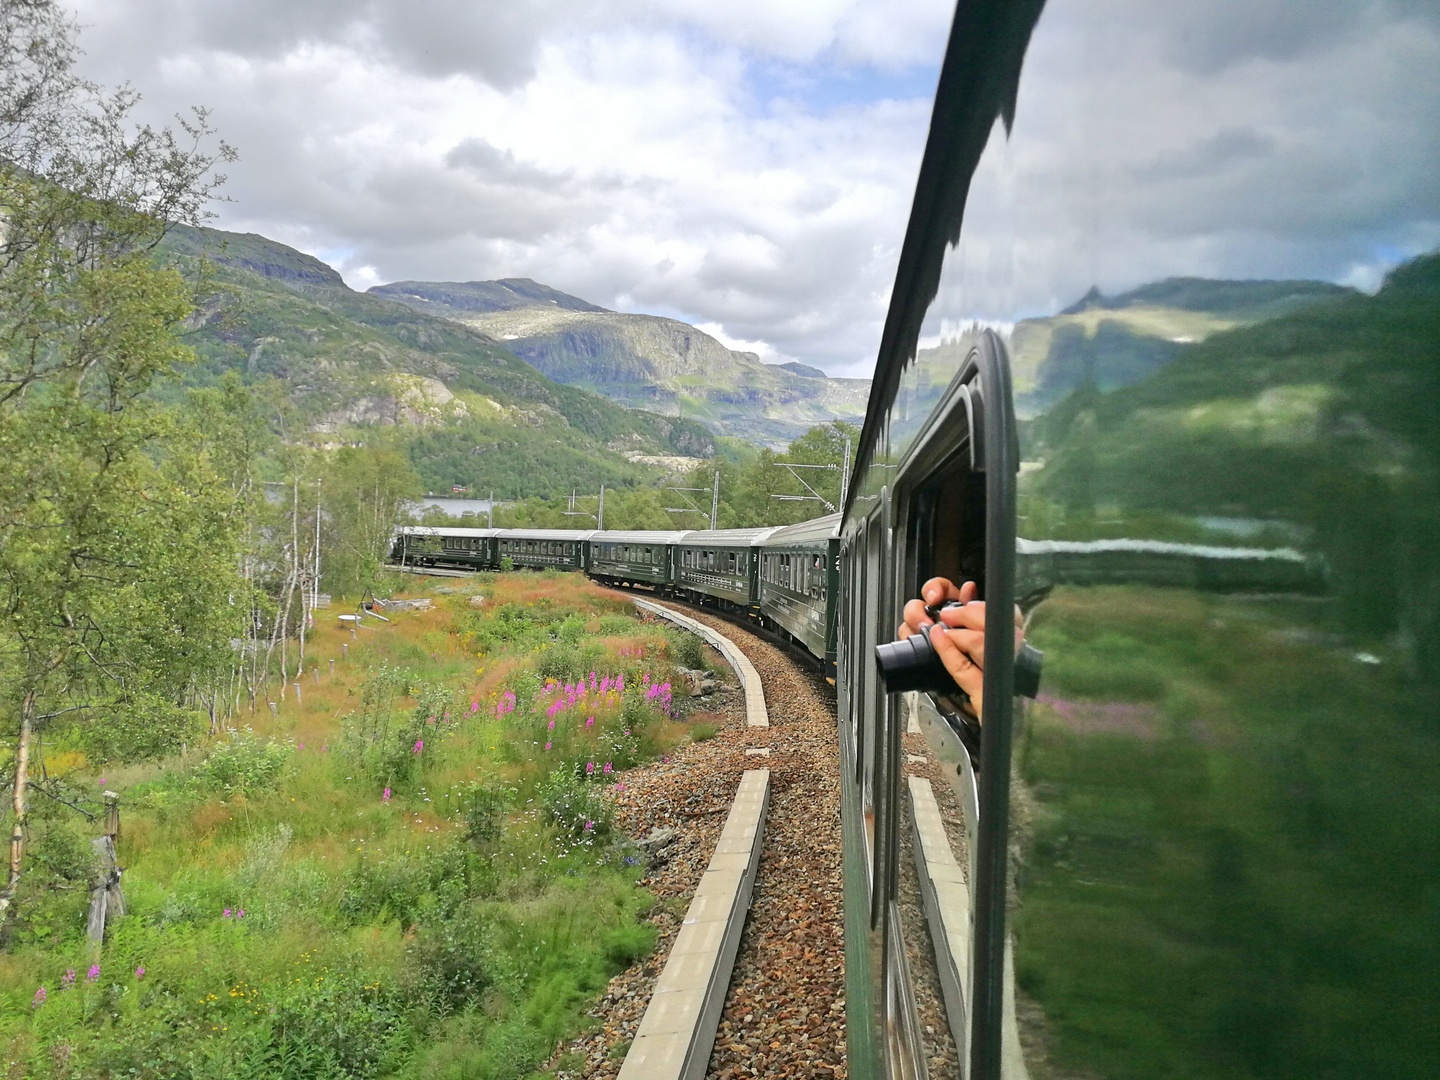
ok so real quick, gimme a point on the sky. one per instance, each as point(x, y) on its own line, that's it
point(749, 166)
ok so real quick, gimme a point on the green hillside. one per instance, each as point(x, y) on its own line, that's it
point(1115, 341)
point(467, 410)
point(1295, 421)
point(642, 360)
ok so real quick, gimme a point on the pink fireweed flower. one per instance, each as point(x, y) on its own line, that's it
point(226, 915)
point(551, 726)
point(475, 706)
point(302, 746)
point(606, 770)
point(94, 973)
point(385, 797)
point(39, 998)
point(240, 914)
point(419, 745)
point(589, 825)
point(102, 781)
point(590, 723)
point(547, 746)
point(139, 973)
point(68, 979)
point(589, 767)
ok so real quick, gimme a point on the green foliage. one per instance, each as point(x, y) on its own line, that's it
point(576, 806)
point(686, 649)
point(702, 732)
point(242, 764)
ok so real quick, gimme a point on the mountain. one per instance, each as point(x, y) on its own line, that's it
point(645, 361)
point(467, 409)
point(1114, 341)
point(1319, 424)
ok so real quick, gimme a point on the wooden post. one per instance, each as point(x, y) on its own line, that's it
point(345, 648)
point(274, 709)
point(332, 665)
point(297, 695)
point(112, 815)
point(107, 898)
point(317, 676)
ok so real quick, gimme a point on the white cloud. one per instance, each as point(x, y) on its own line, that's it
point(749, 166)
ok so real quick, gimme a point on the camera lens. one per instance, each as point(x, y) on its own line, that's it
point(913, 664)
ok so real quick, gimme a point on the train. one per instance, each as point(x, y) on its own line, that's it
point(784, 578)
point(1127, 384)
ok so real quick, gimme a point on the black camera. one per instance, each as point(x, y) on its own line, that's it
point(913, 664)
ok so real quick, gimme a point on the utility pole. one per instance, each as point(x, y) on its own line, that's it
point(845, 474)
point(715, 501)
point(490, 510)
point(600, 518)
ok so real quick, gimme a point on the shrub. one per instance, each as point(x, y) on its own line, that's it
point(701, 732)
point(686, 649)
point(449, 960)
point(616, 625)
point(576, 806)
point(482, 808)
point(242, 763)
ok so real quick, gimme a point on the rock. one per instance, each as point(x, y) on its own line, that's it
point(477, 601)
point(656, 842)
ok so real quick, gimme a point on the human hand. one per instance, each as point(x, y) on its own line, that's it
point(959, 639)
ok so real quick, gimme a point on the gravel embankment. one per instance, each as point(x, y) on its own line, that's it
point(785, 1011)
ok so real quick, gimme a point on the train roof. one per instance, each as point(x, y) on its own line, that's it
point(816, 530)
point(443, 530)
point(637, 536)
point(544, 534)
point(725, 537)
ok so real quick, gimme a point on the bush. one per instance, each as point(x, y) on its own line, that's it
point(576, 807)
point(449, 960)
point(617, 626)
point(686, 649)
point(482, 808)
point(701, 732)
point(243, 763)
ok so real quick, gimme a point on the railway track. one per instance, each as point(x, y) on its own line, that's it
point(783, 1011)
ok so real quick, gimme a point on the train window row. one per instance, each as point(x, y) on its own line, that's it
point(804, 573)
point(630, 553)
point(536, 547)
point(711, 560)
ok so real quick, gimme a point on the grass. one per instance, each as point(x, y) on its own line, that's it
point(1226, 820)
point(412, 875)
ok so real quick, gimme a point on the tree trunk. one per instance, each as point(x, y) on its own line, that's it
point(22, 780)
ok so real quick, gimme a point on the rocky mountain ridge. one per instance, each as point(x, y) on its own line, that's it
point(647, 361)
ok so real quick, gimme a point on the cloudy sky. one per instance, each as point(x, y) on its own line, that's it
point(748, 166)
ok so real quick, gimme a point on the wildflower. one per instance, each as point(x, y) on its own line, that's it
point(94, 973)
point(419, 745)
point(227, 913)
point(39, 998)
point(302, 746)
point(324, 747)
point(102, 784)
point(551, 727)
point(547, 746)
point(475, 706)
point(606, 770)
point(240, 913)
point(139, 973)
point(386, 796)
point(589, 825)
point(68, 979)
point(590, 723)
point(589, 767)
